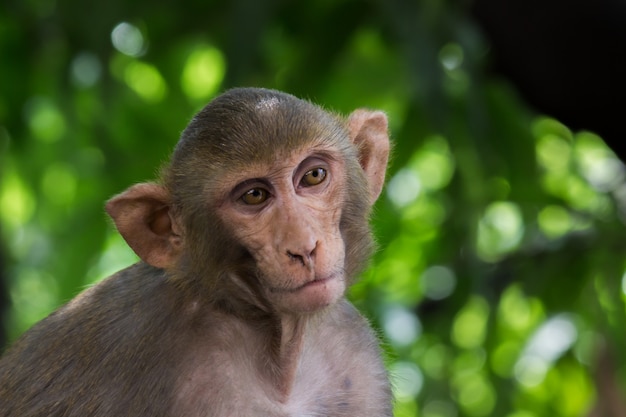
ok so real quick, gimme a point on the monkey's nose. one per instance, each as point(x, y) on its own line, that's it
point(304, 256)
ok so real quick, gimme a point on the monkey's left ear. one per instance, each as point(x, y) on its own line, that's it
point(368, 130)
point(142, 216)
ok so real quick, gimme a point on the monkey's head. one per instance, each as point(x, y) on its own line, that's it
point(266, 195)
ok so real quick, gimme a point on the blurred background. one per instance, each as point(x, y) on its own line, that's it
point(499, 286)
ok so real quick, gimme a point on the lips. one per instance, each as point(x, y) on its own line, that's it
point(313, 283)
point(316, 281)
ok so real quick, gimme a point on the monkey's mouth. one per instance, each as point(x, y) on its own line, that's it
point(316, 281)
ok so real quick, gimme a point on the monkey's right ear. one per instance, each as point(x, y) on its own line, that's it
point(143, 218)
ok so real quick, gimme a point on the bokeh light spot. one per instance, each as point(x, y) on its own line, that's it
point(401, 326)
point(531, 370)
point(451, 56)
point(597, 163)
point(438, 282)
point(116, 255)
point(504, 357)
point(203, 73)
point(86, 69)
point(45, 120)
point(407, 380)
point(33, 294)
point(17, 203)
point(59, 184)
point(469, 328)
point(516, 312)
point(146, 81)
point(554, 153)
point(555, 336)
point(128, 39)
point(435, 360)
point(433, 163)
point(403, 188)
point(500, 230)
point(554, 221)
point(475, 395)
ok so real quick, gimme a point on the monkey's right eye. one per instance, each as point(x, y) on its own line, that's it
point(255, 196)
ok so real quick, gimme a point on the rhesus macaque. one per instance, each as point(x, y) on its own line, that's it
point(237, 308)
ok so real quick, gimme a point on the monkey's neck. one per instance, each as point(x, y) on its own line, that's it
point(285, 340)
point(287, 346)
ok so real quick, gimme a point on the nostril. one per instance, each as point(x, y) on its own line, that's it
point(296, 257)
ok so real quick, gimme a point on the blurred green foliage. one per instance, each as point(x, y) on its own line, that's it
point(499, 284)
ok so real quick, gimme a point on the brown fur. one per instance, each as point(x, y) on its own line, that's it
point(235, 310)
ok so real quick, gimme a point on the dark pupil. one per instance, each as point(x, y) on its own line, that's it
point(255, 193)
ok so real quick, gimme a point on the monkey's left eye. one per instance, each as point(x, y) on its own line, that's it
point(314, 176)
point(255, 196)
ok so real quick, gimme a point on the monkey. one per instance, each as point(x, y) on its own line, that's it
point(247, 242)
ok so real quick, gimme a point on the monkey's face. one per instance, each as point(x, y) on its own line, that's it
point(287, 216)
point(262, 176)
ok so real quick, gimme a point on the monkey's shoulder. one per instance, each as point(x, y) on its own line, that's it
point(108, 342)
point(121, 303)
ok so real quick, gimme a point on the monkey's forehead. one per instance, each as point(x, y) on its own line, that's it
point(245, 125)
point(282, 163)
point(264, 141)
point(260, 161)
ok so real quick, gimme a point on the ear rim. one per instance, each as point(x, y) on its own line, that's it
point(368, 130)
point(143, 217)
